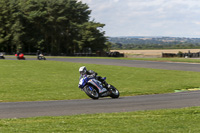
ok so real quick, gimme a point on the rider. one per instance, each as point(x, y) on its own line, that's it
point(38, 54)
point(18, 53)
point(90, 73)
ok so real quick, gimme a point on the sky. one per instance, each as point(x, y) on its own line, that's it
point(172, 18)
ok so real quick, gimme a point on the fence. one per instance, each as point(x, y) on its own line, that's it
point(180, 54)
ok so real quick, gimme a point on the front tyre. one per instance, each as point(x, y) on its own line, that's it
point(91, 92)
point(39, 58)
point(114, 92)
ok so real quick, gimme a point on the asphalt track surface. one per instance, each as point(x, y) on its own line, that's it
point(135, 63)
point(106, 105)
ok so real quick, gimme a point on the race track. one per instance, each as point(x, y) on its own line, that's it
point(135, 63)
point(129, 63)
point(107, 105)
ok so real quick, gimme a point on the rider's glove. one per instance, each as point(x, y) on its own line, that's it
point(90, 76)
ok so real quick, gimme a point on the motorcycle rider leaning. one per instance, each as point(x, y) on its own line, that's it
point(90, 73)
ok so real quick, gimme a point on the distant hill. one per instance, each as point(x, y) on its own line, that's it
point(152, 40)
point(147, 42)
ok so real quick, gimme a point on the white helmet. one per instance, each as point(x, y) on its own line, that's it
point(82, 70)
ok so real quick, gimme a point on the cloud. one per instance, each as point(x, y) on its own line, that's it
point(147, 17)
point(197, 23)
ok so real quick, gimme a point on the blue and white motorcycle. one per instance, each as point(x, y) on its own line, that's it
point(95, 89)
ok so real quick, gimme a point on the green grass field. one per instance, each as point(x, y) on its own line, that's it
point(52, 80)
point(184, 120)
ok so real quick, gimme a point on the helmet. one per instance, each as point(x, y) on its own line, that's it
point(82, 70)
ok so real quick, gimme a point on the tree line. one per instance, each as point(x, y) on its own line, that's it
point(154, 43)
point(53, 26)
point(153, 40)
point(155, 46)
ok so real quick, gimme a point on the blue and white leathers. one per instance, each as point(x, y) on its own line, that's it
point(84, 80)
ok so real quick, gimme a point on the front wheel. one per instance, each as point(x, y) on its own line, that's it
point(114, 92)
point(91, 92)
point(39, 58)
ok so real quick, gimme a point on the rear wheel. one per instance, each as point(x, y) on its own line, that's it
point(114, 92)
point(91, 92)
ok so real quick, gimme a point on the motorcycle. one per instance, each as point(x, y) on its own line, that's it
point(2, 56)
point(95, 89)
point(41, 57)
point(20, 57)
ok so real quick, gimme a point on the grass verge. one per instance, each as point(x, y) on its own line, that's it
point(186, 60)
point(184, 120)
point(52, 80)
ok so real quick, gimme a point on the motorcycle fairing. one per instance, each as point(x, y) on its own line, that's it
point(94, 82)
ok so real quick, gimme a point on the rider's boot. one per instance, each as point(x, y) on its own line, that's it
point(106, 85)
point(103, 80)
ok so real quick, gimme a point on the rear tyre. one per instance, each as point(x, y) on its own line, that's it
point(114, 92)
point(91, 92)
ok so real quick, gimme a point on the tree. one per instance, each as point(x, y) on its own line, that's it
point(54, 26)
point(5, 24)
point(92, 36)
